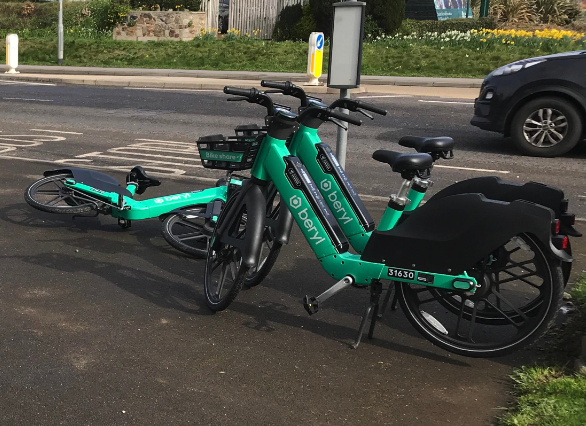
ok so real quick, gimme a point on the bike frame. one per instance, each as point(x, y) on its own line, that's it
point(129, 209)
point(336, 189)
point(275, 163)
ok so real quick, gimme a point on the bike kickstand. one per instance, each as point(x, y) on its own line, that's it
point(376, 289)
point(383, 308)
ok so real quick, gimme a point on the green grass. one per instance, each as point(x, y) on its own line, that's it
point(546, 397)
point(549, 396)
point(401, 59)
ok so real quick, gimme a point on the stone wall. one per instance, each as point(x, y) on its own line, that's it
point(161, 26)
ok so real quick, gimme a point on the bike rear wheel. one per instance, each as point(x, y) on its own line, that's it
point(224, 272)
point(49, 194)
point(187, 232)
point(517, 301)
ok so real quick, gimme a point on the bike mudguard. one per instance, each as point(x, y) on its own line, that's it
point(452, 234)
point(96, 180)
point(496, 189)
point(250, 196)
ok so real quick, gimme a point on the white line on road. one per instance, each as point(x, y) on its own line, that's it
point(384, 96)
point(472, 169)
point(27, 99)
point(446, 102)
point(26, 83)
point(56, 131)
point(171, 90)
point(581, 219)
point(155, 140)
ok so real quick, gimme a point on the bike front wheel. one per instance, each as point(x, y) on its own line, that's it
point(50, 195)
point(516, 302)
point(224, 272)
point(188, 232)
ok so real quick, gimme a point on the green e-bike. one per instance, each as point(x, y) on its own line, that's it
point(445, 246)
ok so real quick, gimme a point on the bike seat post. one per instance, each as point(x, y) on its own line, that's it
point(396, 206)
point(132, 187)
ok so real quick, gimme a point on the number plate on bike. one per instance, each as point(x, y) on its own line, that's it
point(401, 273)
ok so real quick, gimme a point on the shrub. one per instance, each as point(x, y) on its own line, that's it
point(322, 14)
point(388, 14)
point(410, 26)
point(105, 14)
point(27, 9)
point(512, 10)
point(295, 22)
point(371, 29)
point(559, 12)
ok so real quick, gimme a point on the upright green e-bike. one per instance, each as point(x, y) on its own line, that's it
point(449, 246)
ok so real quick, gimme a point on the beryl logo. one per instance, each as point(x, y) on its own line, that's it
point(303, 215)
point(336, 205)
point(326, 185)
point(159, 200)
point(295, 201)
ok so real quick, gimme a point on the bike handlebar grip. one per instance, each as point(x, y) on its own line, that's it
point(372, 108)
point(274, 84)
point(345, 117)
point(248, 93)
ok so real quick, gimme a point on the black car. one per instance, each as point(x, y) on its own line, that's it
point(540, 102)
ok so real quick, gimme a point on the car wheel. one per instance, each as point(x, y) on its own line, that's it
point(546, 127)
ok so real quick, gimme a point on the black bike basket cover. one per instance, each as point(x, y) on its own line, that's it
point(229, 152)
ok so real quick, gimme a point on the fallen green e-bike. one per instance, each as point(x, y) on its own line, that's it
point(447, 245)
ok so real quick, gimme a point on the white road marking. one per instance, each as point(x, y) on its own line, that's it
point(160, 89)
point(581, 219)
point(472, 169)
point(56, 131)
point(27, 99)
point(26, 83)
point(36, 140)
point(384, 96)
point(446, 102)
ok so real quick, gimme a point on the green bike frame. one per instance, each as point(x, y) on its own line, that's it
point(299, 192)
point(320, 162)
point(129, 209)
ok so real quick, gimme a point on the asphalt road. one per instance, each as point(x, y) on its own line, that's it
point(104, 326)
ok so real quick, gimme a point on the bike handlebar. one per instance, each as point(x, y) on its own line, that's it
point(345, 117)
point(288, 89)
point(284, 86)
point(237, 91)
point(315, 116)
point(355, 105)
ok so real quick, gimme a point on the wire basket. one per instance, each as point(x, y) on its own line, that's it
point(229, 152)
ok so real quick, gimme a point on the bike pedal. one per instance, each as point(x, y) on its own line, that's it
point(311, 304)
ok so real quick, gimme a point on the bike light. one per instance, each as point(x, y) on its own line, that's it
point(555, 227)
point(489, 95)
point(565, 242)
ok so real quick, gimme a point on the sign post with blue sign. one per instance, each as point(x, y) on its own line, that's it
point(315, 58)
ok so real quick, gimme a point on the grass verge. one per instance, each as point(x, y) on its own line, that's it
point(257, 55)
point(550, 396)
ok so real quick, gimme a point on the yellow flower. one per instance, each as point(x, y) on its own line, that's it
point(146, 56)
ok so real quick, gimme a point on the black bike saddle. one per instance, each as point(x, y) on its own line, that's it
point(138, 175)
point(406, 164)
point(433, 145)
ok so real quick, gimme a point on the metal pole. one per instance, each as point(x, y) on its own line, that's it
point(342, 140)
point(60, 35)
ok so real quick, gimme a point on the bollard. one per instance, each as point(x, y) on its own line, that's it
point(315, 57)
point(12, 53)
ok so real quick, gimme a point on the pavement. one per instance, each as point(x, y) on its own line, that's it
point(214, 80)
point(105, 326)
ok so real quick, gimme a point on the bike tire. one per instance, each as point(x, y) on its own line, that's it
point(436, 330)
point(226, 256)
point(176, 221)
point(33, 190)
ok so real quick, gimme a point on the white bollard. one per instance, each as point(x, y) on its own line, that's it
point(315, 58)
point(12, 53)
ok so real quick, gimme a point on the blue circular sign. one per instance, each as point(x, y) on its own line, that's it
point(320, 41)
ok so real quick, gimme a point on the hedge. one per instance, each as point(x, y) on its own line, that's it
point(410, 26)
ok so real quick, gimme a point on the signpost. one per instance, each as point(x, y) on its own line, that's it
point(60, 35)
point(346, 58)
point(315, 57)
point(12, 53)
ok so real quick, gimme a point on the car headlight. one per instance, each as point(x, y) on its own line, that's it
point(513, 68)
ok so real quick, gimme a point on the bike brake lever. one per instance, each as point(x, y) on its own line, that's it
point(288, 108)
point(236, 99)
point(338, 123)
point(361, 111)
point(274, 91)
